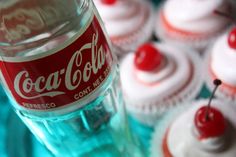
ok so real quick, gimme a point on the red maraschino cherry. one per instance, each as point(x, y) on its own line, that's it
point(208, 120)
point(232, 39)
point(232, 34)
point(147, 57)
point(109, 2)
point(213, 126)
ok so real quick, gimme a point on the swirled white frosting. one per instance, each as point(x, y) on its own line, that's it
point(143, 87)
point(196, 16)
point(182, 142)
point(166, 68)
point(223, 61)
point(123, 17)
point(209, 144)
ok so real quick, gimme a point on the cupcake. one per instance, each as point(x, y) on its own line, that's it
point(156, 77)
point(197, 130)
point(128, 22)
point(192, 23)
point(221, 63)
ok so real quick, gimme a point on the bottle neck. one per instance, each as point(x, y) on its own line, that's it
point(29, 23)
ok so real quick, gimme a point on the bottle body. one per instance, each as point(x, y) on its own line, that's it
point(99, 128)
point(62, 79)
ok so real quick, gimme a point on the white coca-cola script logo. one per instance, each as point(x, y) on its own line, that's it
point(74, 74)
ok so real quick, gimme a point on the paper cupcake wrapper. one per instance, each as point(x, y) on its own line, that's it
point(197, 43)
point(150, 112)
point(144, 34)
point(222, 93)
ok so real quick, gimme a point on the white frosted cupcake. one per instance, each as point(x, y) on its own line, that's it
point(221, 63)
point(158, 76)
point(128, 22)
point(191, 23)
point(186, 131)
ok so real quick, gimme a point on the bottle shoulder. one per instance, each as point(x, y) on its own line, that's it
point(25, 28)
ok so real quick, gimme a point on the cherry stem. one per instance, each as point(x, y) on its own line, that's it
point(226, 15)
point(217, 83)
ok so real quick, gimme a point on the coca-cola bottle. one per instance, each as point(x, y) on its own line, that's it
point(58, 69)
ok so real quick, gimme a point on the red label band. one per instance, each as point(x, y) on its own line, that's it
point(63, 77)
